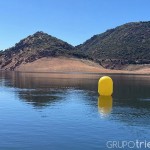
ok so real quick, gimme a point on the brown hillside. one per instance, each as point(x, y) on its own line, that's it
point(68, 65)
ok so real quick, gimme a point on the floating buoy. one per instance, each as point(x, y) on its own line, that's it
point(105, 104)
point(105, 86)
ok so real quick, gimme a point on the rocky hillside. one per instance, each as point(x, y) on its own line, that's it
point(32, 48)
point(116, 48)
point(126, 44)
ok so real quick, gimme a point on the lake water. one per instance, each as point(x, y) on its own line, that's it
point(43, 111)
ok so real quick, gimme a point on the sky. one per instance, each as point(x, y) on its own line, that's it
point(73, 21)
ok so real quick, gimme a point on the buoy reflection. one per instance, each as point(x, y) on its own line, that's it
point(105, 105)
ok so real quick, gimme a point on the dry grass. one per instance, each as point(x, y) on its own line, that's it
point(63, 64)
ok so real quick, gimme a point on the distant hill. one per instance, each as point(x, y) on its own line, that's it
point(32, 48)
point(126, 47)
point(126, 44)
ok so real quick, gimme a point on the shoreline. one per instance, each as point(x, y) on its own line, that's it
point(80, 73)
point(63, 65)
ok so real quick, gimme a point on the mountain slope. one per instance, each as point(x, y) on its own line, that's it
point(126, 47)
point(32, 48)
point(126, 44)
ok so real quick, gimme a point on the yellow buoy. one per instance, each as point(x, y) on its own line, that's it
point(105, 86)
point(105, 104)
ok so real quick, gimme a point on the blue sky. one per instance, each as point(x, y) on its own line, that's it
point(73, 21)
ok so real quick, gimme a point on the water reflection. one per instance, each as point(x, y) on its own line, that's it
point(46, 80)
point(43, 89)
point(105, 104)
point(130, 98)
point(39, 98)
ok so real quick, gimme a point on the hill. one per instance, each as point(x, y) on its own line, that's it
point(123, 45)
point(32, 48)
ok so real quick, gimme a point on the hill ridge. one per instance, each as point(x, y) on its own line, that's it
point(113, 49)
point(33, 47)
point(125, 44)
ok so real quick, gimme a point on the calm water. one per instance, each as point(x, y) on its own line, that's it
point(63, 112)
